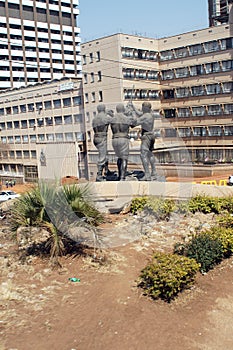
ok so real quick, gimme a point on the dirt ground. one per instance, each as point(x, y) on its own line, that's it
point(41, 309)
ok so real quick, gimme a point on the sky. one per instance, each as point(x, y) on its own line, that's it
point(150, 18)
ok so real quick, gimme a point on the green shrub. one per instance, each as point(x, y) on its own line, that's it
point(160, 207)
point(167, 275)
point(205, 204)
point(138, 204)
point(227, 204)
point(206, 249)
point(225, 220)
point(225, 236)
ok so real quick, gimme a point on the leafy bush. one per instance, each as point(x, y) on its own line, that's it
point(225, 220)
point(138, 204)
point(160, 207)
point(167, 275)
point(225, 236)
point(205, 204)
point(206, 249)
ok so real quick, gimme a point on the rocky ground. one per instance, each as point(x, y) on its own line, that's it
point(42, 309)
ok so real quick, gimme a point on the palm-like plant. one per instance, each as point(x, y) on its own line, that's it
point(55, 209)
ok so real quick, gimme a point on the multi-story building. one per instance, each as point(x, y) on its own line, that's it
point(219, 11)
point(187, 78)
point(39, 41)
point(43, 131)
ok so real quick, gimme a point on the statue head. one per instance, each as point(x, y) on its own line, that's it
point(120, 108)
point(101, 108)
point(146, 107)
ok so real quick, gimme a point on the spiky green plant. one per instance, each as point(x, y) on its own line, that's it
point(55, 209)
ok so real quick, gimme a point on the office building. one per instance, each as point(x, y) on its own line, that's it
point(39, 41)
point(219, 11)
point(43, 131)
point(188, 80)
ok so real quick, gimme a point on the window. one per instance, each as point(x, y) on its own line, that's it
point(215, 130)
point(214, 110)
point(25, 138)
point(152, 75)
point(1, 111)
point(228, 109)
point(227, 87)
point(196, 50)
point(197, 70)
point(84, 59)
point(40, 122)
point(30, 107)
point(85, 78)
point(86, 98)
point(47, 104)
point(49, 121)
point(17, 139)
point(128, 73)
point(68, 119)
point(212, 89)
point(100, 96)
point(227, 65)
point(58, 120)
point(9, 125)
point(59, 137)
point(79, 136)
point(49, 137)
point(24, 124)
point(211, 46)
point(183, 112)
point(77, 118)
point(93, 97)
point(184, 132)
point(182, 72)
point(198, 111)
point(169, 113)
point(98, 56)
point(199, 131)
point(92, 77)
point(69, 136)
point(167, 74)
point(22, 108)
point(166, 55)
point(32, 123)
point(26, 154)
point(41, 137)
point(15, 109)
point(66, 102)
point(91, 57)
point(32, 138)
point(181, 52)
point(182, 92)
point(16, 124)
point(77, 100)
point(197, 90)
point(57, 103)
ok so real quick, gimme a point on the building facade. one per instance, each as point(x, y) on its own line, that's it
point(188, 80)
point(39, 41)
point(219, 12)
point(43, 131)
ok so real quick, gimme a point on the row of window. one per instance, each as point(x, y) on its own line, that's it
point(40, 49)
point(197, 49)
point(200, 90)
point(140, 94)
point(93, 96)
point(18, 154)
point(92, 77)
point(92, 57)
point(32, 29)
point(131, 73)
point(58, 137)
point(200, 131)
point(47, 121)
point(50, 104)
point(199, 111)
point(207, 68)
point(128, 52)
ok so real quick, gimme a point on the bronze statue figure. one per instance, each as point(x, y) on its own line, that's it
point(100, 126)
point(120, 124)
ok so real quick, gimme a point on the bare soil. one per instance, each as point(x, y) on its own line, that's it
point(41, 309)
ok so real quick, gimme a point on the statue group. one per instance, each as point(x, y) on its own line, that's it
point(120, 124)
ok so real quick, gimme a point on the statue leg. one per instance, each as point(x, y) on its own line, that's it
point(119, 166)
point(145, 164)
point(107, 172)
point(123, 169)
point(100, 176)
point(154, 174)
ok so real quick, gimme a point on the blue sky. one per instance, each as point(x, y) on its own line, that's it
point(163, 18)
